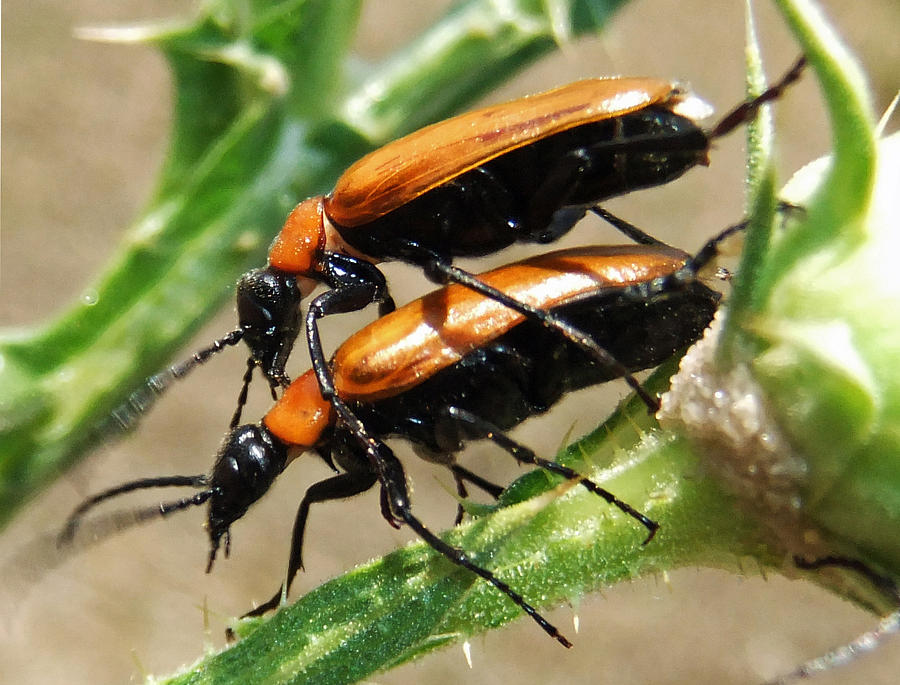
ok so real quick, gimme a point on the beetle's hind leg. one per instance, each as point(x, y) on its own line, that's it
point(393, 481)
point(461, 476)
point(479, 428)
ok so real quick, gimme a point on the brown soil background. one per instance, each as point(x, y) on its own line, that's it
point(84, 129)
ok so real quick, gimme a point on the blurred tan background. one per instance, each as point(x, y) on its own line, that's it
point(85, 127)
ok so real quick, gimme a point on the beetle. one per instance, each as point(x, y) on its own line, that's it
point(520, 171)
point(444, 369)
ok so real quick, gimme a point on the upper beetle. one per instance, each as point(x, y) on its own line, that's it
point(525, 170)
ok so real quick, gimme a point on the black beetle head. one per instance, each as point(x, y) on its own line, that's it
point(248, 463)
point(268, 305)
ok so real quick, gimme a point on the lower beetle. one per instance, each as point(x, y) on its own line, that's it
point(447, 368)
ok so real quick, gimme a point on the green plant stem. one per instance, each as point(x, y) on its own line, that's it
point(556, 546)
point(555, 540)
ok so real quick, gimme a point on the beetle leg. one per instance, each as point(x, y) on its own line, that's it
point(352, 423)
point(461, 473)
point(337, 487)
point(642, 238)
point(680, 278)
point(706, 254)
point(393, 480)
point(479, 428)
point(361, 281)
point(386, 306)
point(627, 229)
point(463, 494)
point(355, 284)
point(386, 512)
point(325, 455)
point(460, 476)
point(358, 283)
point(548, 217)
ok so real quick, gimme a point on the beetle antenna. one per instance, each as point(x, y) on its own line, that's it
point(242, 395)
point(120, 521)
point(710, 249)
point(697, 262)
point(22, 570)
point(67, 535)
point(747, 110)
point(126, 415)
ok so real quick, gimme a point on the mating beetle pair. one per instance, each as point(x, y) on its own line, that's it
point(447, 368)
point(523, 171)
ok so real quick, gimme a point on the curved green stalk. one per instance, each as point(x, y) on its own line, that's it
point(555, 541)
